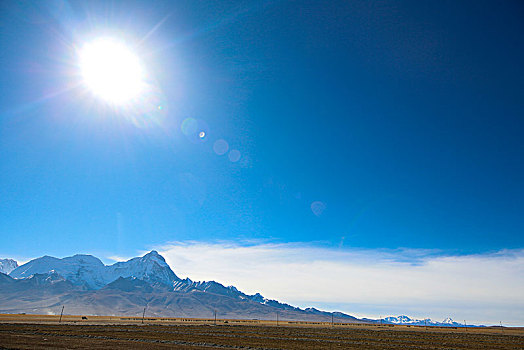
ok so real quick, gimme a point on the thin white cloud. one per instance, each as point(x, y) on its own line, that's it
point(117, 258)
point(485, 288)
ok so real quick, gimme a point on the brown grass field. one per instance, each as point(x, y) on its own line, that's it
point(96, 332)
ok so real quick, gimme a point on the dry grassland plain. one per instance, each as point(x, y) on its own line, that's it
point(95, 332)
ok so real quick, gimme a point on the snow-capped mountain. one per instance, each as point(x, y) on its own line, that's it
point(89, 272)
point(83, 284)
point(82, 270)
point(449, 321)
point(416, 322)
point(400, 320)
point(152, 268)
point(86, 286)
point(7, 265)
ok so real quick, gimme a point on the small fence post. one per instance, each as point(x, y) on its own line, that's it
point(61, 313)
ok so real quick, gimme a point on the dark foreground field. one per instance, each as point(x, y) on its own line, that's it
point(129, 336)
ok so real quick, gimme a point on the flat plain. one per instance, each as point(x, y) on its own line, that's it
point(75, 332)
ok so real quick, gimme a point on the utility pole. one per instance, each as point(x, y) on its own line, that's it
point(332, 323)
point(277, 319)
point(381, 320)
point(465, 325)
point(425, 324)
point(143, 314)
point(215, 317)
point(61, 313)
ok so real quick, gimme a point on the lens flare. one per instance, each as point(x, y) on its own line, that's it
point(318, 208)
point(220, 147)
point(234, 155)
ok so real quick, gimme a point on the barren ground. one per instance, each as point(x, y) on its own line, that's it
point(42, 332)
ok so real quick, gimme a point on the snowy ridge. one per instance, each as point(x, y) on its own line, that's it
point(89, 272)
point(403, 319)
point(82, 270)
point(187, 285)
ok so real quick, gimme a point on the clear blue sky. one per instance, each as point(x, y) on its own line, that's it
point(404, 119)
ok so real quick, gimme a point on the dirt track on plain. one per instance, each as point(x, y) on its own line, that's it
point(262, 337)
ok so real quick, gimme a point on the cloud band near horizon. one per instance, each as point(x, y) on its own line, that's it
point(481, 288)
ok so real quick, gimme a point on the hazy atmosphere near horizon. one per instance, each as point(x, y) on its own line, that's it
point(357, 156)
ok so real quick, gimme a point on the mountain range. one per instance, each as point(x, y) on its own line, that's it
point(85, 286)
point(405, 320)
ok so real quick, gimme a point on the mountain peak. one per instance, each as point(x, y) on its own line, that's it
point(151, 267)
point(153, 256)
point(7, 265)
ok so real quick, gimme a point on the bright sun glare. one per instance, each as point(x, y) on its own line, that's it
point(111, 70)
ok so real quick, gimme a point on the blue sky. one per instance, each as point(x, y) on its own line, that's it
point(363, 125)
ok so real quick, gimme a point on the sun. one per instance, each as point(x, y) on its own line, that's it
point(111, 70)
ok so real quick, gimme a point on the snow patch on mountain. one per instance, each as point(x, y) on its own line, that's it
point(7, 265)
point(187, 285)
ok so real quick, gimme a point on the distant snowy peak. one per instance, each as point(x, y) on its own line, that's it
point(89, 272)
point(400, 319)
point(7, 265)
point(410, 321)
point(81, 270)
point(151, 267)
